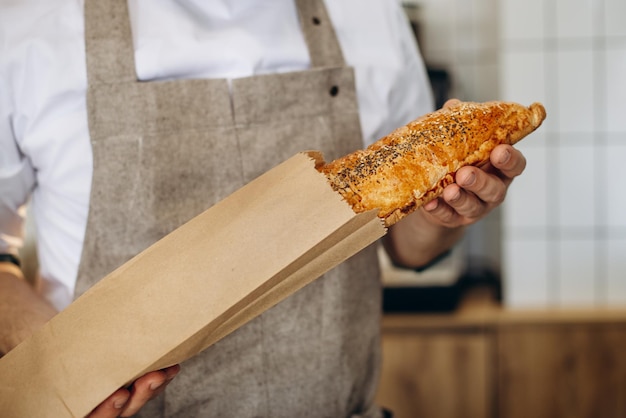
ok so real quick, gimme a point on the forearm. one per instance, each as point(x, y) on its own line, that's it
point(440, 223)
point(415, 241)
point(22, 310)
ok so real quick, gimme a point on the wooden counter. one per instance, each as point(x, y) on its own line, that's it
point(485, 361)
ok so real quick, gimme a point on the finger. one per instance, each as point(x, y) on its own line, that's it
point(112, 406)
point(451, 103)
point(440, 213)
point(510, 161)
point(171, 372)
point(487, 187)
point(466, 204)
point(142, 391)
point(147, 387)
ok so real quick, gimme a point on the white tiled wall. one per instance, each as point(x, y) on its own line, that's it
point(571, 55)
point(461, 36)
point(561, 236)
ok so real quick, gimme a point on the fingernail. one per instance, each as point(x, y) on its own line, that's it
point(432, 205)
point(454, 198)
point(155, 385)
point(452, 102)
point(469, 180)
point(119, 404)
point(504, 158)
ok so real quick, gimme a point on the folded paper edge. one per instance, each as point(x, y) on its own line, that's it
point(355, 235)
point(365, 219)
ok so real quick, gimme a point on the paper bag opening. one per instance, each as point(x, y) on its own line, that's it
point(187, 291)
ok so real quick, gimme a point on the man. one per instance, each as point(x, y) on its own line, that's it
point(226, 90)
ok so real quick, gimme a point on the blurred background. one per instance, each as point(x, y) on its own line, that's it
point(560, 239)
point(548, 337)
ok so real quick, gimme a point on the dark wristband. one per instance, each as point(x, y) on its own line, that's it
point(432, 262)
point(11, 259)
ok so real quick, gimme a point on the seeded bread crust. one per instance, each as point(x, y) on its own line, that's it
point(413, 164)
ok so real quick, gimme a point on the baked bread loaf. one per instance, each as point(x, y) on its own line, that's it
point(413, 164)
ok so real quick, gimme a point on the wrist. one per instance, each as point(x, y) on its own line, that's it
point(9, 268)
point(22, 310)
point(415, 243)
point(419, 269)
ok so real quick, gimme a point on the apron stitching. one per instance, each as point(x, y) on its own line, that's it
point(266, 390)
point(265, 324)
point(235, 126)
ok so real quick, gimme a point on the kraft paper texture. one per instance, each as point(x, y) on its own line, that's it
point(187, 291)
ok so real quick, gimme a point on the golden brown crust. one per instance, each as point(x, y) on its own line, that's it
point(412, 165)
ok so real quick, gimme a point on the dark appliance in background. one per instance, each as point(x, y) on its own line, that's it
point(439, 77)
point(439, 287)
point(440, 84)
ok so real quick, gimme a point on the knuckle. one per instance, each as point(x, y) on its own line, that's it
point(516, 164)
point(444, 214)
point(498, 195)
point(475, 212)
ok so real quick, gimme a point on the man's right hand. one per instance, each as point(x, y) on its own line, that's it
point(126, 402)
point(23, 311)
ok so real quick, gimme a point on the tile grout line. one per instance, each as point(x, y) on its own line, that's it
point(600, 154)
point(552, 160)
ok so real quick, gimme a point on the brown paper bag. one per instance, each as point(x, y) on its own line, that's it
point(187, 291)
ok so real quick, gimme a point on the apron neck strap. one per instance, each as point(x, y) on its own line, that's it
point(319, 34)
point(109, 43)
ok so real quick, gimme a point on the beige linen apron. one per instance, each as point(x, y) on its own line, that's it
point(164, 151)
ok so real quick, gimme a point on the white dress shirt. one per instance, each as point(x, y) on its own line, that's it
point(44, 140)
